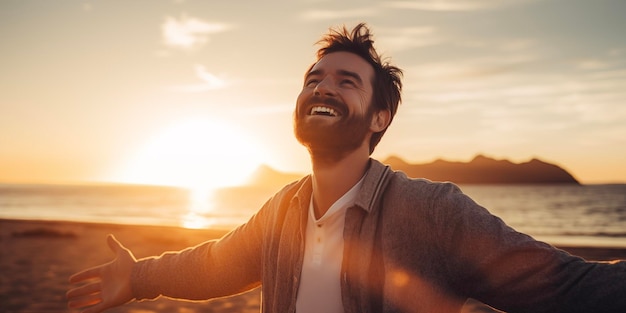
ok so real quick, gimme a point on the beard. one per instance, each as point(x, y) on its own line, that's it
point(331, 142)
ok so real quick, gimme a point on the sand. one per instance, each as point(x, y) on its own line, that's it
point(37, 257)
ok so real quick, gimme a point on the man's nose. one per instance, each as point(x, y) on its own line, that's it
point(325, 87)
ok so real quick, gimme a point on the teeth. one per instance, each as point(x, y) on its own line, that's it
point(323, 111)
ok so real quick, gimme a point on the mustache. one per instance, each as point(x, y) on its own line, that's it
point(328, 101)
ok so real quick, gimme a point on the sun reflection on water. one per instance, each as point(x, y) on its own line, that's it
point(200, 205)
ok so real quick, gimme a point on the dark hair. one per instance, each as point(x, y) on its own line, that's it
point(387, 78)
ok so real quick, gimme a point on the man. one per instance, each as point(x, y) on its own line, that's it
point(355, 236)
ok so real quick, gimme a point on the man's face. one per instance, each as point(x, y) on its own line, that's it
point(333, 111)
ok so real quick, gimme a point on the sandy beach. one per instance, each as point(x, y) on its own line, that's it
point(37, 257)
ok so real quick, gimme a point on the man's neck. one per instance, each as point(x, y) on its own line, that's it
point(333, 180)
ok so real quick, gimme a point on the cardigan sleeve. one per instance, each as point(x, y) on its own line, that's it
point(216, 268)
point(513, 272)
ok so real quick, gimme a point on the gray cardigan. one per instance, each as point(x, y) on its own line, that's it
point(411, 245)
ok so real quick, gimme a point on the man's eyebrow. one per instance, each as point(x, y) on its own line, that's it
point(354, 75)
point(311, 73)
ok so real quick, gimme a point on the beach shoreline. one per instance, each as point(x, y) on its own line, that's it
point(37, 258)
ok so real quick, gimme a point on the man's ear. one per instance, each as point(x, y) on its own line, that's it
point(380, 121)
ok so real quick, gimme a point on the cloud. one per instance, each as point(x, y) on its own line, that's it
point(404, 38)
point(592, 64)
point(87, 7)
point(188, 32)
point(520, 100)
point(469, 69)
point(451, 5)
point(513, 88)
point(616, 52)
point(314, 15)
point(208, 82)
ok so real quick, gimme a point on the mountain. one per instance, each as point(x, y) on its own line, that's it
point(484, 170)
point(480, 170)
point(271, 178)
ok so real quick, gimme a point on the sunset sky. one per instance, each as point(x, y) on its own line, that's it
point(202, 92)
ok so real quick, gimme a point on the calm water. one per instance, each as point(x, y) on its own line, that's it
point(560, 214)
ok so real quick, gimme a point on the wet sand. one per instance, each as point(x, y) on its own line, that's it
point(37, 258)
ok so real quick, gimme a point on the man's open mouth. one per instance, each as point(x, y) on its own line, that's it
point(325, 111)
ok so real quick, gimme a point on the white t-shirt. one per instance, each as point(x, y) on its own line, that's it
point(320, 284)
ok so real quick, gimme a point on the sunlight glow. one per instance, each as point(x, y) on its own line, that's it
point(199, 205)
point(193, 220)
point(199, 154)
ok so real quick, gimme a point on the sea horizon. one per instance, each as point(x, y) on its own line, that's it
point(560, 214)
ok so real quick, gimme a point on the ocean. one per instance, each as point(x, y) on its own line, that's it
point(581, 215)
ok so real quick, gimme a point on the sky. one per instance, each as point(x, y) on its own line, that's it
point(202, 92)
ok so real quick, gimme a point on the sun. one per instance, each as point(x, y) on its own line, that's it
point(199, 154)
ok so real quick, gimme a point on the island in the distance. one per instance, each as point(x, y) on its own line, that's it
point(480, 170)
point(485, 170)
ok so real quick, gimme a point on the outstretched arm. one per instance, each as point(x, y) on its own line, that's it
point(513, 272)
point(107, 285)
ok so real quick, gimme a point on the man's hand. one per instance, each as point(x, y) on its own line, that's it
point(107, 286)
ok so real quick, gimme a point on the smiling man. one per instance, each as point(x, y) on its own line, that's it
point(333, 113)
point(356, 236)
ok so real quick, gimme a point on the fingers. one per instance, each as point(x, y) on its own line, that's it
point(94, 272)
point(114, 244)
point(92, 305)
point(85, 275)
point(95, 295)
point(96, 308)
point(84, 296)
point(85, 301)
point(84, 290)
